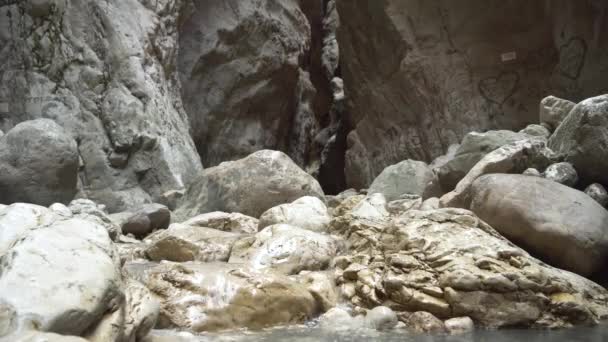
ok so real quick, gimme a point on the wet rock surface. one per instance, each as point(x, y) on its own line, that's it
point(448, 262)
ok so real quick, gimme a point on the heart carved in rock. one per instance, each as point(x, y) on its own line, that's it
point(572, 58)
point(500, 88)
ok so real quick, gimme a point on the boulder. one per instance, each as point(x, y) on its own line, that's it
point(381, 318)
point(536, 131)
point(48, 278)
point(144, 220)
point(561, 225)
point(91, 210)
point(450, 263)
point(598, 193)
point(425, 323)
point(459, 325)
point(473, 148)
point(512, 158)
point(249, 186)
point(371, 207)
point(408, 177)
point(582, 140)
point(38, 164)
point(233, 222)
point(182, 243)
point(563, 173)
point(554, 110)
point(307, 212)
point(218, 296)
point(532, 172)
point(287, 249)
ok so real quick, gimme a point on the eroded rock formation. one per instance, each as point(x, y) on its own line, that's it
point(419, 75)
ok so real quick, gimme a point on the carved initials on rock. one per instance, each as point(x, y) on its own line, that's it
point(500, 88)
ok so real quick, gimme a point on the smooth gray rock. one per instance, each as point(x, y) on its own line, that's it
point(307, 212)
point(287, 249)
point(532, 172)
point(60, 274)
point(598, 193)
point(554, 110)
point(563, 173)
point(144, 220)
point(582, 139)
point(408, 177)
point(473, 148)
point(381, 318)
point(561, 225)
point(38, 164)
point(459, 325)
point(248, 186)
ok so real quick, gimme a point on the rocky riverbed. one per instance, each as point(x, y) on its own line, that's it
point(303, 170)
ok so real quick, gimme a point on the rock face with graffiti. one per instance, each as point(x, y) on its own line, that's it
point(428, 78)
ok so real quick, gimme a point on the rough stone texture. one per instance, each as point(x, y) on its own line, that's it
point(287, 249)
point(111, 82)
point(425, 323)
point(244, 88)
point(233, 222)
point(135, 322)
point(331, 51)
point(582, 139)
point(249, 186)
point(88, 209)
point(182, 243)
point(450, 263)
point(38, 164)
point(563, 226)
point(322, 287)
point(513, 158)
point(536, 131)
point(208, 297)
point(598, 193)
point(408, 177)
point(563, 173)
point(47, 274)
point(419, 75)
point(307, 213)
point(554, 110)
point(474, 147)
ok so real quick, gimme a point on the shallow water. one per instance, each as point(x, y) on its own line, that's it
point(305, 334)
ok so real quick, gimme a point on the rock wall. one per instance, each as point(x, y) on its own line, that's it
point(251, 77)
point(105, 72)
point(420, 74)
